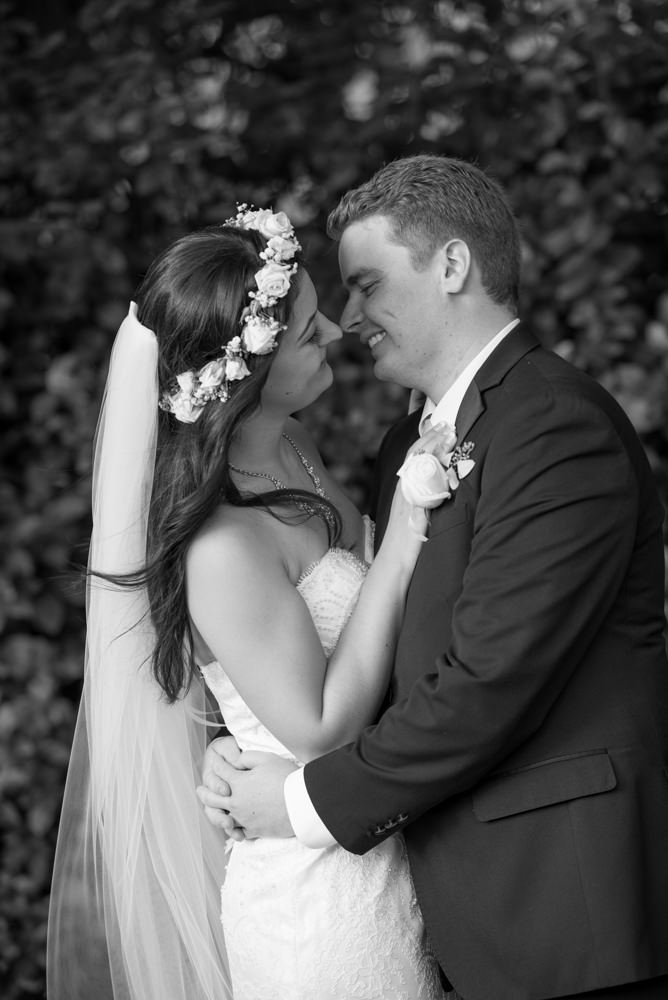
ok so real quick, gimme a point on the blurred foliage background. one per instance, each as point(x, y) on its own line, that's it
point(125, 123)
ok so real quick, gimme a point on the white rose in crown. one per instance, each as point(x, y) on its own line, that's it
point(246, 219)
point(279, 247)
point(271, 224)
point(187, 382)
point(236, 369)
point(185, 409)
point(273, 281)
point(212, 374)
point(259, 337)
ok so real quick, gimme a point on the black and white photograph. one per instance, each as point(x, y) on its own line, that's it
point(334, 448)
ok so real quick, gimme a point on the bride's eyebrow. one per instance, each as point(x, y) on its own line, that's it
point(306, 327)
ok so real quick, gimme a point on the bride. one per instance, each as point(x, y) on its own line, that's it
point(226, 564)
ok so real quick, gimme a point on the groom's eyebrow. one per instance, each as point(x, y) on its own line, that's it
point(357, 276)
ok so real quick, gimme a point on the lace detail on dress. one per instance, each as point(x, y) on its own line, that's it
point(330, 588)
point(304, 924)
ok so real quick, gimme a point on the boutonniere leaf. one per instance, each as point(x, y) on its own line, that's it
point(461, 459)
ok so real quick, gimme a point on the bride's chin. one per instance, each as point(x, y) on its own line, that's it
point(323, 383)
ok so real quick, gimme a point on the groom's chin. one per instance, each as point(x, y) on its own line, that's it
point(381, 372)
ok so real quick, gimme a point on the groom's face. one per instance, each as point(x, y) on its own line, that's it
point(395, 310)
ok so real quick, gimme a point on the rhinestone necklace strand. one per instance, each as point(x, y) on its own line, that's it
point(311, 508)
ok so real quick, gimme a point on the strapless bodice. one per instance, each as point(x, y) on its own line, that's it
point(329, 588)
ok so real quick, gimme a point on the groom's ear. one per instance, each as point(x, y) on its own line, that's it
point(455, 265)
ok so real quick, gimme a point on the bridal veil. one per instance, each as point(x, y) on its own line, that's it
point(135, 902)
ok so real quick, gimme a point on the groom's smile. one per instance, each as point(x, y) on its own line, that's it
point(375, 339)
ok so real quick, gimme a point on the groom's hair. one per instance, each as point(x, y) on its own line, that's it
point(429, 200)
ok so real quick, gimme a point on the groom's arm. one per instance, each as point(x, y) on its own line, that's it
point(554, 531)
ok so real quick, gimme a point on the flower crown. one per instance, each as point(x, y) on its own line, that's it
point(258, 330)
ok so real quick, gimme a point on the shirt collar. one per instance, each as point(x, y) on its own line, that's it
point(445, 411)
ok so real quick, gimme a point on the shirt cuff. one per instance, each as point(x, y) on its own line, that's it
point(306, 823)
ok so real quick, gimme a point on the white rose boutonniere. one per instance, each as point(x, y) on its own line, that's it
point(426, 481)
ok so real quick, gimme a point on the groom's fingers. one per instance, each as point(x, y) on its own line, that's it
point(253, 758)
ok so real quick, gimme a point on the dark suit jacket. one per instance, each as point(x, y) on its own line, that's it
point(525, 751)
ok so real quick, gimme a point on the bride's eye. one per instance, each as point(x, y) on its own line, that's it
point(315, 333)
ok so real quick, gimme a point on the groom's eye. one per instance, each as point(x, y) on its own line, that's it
point(367, 289)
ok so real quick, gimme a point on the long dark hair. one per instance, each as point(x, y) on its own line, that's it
point(192, 297)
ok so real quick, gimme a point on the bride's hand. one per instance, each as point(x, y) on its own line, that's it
point(425, 483)
point(215, 791)
point(438, 440)
point(406, 530)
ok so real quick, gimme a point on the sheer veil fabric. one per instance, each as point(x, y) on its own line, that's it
point(135, 901)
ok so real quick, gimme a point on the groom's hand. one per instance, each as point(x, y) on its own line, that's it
point(256, 804)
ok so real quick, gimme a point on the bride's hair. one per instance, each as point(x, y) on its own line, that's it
point(192, 297)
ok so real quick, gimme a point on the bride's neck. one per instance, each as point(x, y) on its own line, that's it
point(258, 444)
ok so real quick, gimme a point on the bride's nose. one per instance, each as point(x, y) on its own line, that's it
point(329, 331)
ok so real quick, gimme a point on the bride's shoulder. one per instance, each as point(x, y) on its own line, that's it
point(235, 543)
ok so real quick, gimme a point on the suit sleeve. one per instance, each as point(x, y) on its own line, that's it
point(553, 534)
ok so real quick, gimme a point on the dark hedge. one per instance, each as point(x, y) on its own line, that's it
point(125, 124)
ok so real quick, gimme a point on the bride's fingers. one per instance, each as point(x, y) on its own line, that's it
point(213, 778)
point(211, 799)
point(438, 440)
point(225, 747)
point(225, 823)
point(221, 769)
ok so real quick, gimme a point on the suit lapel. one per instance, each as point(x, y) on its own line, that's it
point(511, 349)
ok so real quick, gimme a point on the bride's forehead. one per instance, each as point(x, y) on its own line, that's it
point(306, 299)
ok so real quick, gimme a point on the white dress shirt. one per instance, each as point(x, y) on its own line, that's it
point(306, 822)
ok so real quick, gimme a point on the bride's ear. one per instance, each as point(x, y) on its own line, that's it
point(455, 265)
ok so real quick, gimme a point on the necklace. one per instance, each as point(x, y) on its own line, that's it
point(308, 506)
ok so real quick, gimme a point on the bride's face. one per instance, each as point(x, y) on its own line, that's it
point(299, 372)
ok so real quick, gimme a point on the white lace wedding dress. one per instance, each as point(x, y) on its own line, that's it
point(303, 924)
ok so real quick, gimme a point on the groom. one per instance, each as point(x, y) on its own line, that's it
point(524, 754)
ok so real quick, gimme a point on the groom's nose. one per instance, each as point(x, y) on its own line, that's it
point(351, 317)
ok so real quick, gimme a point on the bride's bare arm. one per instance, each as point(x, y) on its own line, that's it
point(258, 627)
